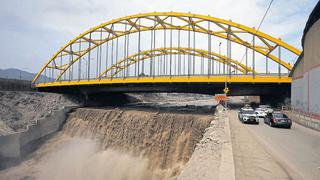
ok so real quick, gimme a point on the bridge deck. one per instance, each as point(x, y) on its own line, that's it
point(172, 79)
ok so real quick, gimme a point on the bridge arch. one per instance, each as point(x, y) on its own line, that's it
point(160, 21)
point(147, 54)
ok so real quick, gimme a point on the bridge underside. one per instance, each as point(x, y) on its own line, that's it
point(236, 89)
point(238, 85)
point(272, 90)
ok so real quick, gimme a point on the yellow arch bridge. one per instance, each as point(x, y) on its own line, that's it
point(170, 52)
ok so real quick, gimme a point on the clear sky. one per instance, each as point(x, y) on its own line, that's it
point(31, 31)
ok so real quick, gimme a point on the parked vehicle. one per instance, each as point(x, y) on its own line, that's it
point(260, 113)
point(278, 119)
point(248, 116)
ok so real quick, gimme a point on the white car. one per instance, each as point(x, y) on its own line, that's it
point(248, 116)
point(261, 113)
point(266, 108)
point(246, 109)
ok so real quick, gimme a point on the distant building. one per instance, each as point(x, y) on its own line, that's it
point(305, 91)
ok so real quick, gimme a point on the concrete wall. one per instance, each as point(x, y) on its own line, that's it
point(305, 90)
point(311, 47)
point(306, 120)
point(14, 147)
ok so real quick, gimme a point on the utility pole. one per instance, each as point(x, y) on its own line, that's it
point(220, 57)
point(226, 89)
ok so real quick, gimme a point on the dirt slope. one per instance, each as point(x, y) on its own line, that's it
point(19, 109)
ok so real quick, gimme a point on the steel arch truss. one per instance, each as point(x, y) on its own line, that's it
point(116, 68)
point(113, 29)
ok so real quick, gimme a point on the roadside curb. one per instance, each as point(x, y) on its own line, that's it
point(227, 168)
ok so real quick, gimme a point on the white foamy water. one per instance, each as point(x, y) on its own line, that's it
point(66, 158)
point(83, 159)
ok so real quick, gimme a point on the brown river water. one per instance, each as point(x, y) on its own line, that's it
point(113, 143)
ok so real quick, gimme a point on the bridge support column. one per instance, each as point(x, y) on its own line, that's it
point(86, 99)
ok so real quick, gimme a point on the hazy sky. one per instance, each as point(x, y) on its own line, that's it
point(31, 31)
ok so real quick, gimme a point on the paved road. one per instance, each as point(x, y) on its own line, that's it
point(295, 150)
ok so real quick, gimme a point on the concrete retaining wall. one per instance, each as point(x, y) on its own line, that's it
point(14, 147)
point(305, 96)
point(305, 119)
point(305, 92)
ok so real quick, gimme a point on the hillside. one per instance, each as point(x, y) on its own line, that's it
point(13, 73)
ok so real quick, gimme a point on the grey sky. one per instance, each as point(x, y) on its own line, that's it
point(31, 31)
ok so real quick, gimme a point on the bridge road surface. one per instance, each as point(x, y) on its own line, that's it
point(288, 153)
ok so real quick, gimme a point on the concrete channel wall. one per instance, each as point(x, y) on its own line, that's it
point(309, 121)
point(305, 96)
point(306, 76)
point(305, 90)
point(14, 147)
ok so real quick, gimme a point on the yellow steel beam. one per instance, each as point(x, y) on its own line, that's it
point(71, 52)
point(173, 79)
point(91, 40)
point(55, 67)
point(174, 50)
point(255, 48)
point(119, 68)
point(238, 27)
